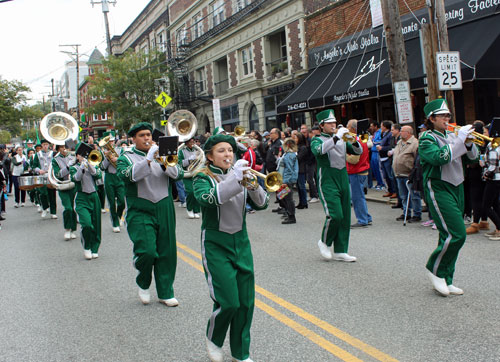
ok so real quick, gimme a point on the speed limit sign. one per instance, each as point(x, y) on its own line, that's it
point(448, 68)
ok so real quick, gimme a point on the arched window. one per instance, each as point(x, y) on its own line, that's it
point(253, 117)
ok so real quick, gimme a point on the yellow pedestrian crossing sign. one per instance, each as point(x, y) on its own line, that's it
point(164, 122)
point(163, 99)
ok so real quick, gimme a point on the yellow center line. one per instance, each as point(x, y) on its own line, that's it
point(353, 341)
point(313, 337)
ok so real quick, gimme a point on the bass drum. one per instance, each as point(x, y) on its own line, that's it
point(26, 183)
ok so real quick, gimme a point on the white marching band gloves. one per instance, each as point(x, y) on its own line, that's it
point(151, 153)
point(239, 169)
point(464, 132)
point(341, 132)
point(192, 157)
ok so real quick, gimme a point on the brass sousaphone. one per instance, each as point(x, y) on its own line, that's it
point(57, 128)
point(184, 125)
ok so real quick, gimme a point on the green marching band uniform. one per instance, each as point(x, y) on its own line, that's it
point(334, 190)
point(442, 156)
point(226, 251)
point(87, 205)
point(61, 165)
point(47, 196)
point(115, 189)
point(185, 157)
point(150, 217)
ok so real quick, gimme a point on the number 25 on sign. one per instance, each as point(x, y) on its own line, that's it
point(448, 68)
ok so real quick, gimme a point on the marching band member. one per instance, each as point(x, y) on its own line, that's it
point(115, 189)
point(333, 186)
point(185, 157)
point(87, 204)
point(150, 214)
point(30, 154)
point(227, 256)
point(60, 165)
point(442, 154)
point(41, 165)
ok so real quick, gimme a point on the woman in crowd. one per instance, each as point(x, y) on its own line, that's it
point(288, 167)
point(18, 162)
point(226, 251)
point(302, 157)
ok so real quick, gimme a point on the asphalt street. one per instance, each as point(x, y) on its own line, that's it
point(57, 306)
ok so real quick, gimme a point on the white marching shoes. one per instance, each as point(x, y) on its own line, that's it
point(44, 213)
point(344, 257)
point(40, 208)
point(67, 235)
point(171, 302)
point(144, 296)
point(190, 214)
point(454, 290)
point(87, 254)
point(196, 215)
point(439, 284)
point(73, 235)
point(95, 255)
point(324, 250)
point(53, 216)
point(116, 229)
point(215, 353)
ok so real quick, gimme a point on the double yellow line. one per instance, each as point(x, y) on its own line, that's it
point(304, 331)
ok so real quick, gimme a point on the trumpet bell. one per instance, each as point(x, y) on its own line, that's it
point(239, 131)
point(273, 181)
point(183, 124)
point(95, 158)
point(57, 127)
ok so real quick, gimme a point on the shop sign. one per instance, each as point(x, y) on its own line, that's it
point(405, 112)
point(216, 109)
point(282, 88)
point(448, 69)
point(403, 102)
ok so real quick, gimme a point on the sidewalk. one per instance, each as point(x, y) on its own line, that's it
point(375, 195)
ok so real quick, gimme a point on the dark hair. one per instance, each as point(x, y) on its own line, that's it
point(428, 124)
point(315, 128)
point(397, 126)
point(301, 139)
point(387, 124)
point(374, 123)
point(478, 126)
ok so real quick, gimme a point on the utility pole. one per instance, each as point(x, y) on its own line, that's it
point(77, 54)
point(444, 45)
point(430, 47)
point(396, 51)
point(105, 11)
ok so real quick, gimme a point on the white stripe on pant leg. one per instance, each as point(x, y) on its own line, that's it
point(210, 288)
point(325, 207)
point(448, 238)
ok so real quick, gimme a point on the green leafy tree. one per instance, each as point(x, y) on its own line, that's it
point(128, 85)
point(5, 137)
point(12, 96)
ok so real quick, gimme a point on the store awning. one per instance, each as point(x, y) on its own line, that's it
point(368, 76)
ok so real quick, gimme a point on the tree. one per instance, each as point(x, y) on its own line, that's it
point(5, 137)
point(12, 96)
point(128, 86)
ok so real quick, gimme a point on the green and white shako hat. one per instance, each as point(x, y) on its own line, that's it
point(326, 116)
point(218, 138)
point(218, 130)
point(437, 106)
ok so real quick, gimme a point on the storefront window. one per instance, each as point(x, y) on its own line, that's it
point(230, 116)
point(253, 117)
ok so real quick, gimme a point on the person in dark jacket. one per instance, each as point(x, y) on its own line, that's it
point(302, 157)
point(274, 146)
point(386, 160)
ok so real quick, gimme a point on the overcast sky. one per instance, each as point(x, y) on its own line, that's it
point(32, 30)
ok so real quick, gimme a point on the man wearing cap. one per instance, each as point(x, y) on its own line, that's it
point(60, 165)
point(115, 189)
point(29, 145)
point(41, 163)
point(442, 154)
point(333, 185)
point(87, 204)
point(150, 214)
point(186, 156)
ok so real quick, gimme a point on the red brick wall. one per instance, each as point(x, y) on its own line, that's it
point(257, 55)
point(233, 79)
point(329, 24)
point(210, 79)
point(204, 13)
point(294, 46)
point(177, 8)
point(228, 9)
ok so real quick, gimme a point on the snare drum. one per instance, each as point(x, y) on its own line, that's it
point(26, 183)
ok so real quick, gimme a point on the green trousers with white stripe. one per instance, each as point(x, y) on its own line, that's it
point(88, 208)
point(446, 204)
point(69, 215)
point(228, 265)
point(191, 203)
point(151, 227)
point(115, 191)
point(335, 195)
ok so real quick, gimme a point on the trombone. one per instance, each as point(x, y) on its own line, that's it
point(105, 144)
point(273, 180)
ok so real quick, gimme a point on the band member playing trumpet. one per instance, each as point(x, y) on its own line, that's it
point(442, 156)
point(226, 251)
point(186, 156)
point(115, 189)
point(60, 165)
point(333, 185)
point(150, 214)
point(87, 203)
point(41, 166)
